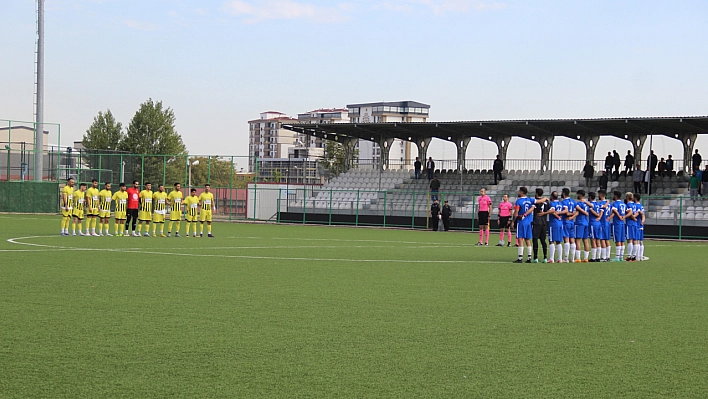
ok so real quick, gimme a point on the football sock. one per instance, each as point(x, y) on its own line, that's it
point(169, 226)
point(509, 234)
point(189, 225)
point(559, 250)
point(572, 252)
point(618, 252)
point(529, 250)
point(552, 250)
point(587, 255)
point(577, 255)
point(630, 249)
point(487, 235)
point(162, 228)
point(501, 237)
point(201, 228)
point(140, 228)
point(641, 252)
point(521, 253)
point(594, 253)
point(73, 227)
point(566, 250)
point(209, 228)
point(177, 226)
point(481, 235)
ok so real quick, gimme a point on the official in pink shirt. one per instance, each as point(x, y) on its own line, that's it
point(485, 205)
point(504, 222)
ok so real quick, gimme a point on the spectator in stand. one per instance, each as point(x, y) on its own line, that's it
point(435, 215)
point(669, 166)
point(694, 185)
point(638, 179)
point(617, 162)
point(430, 167)
point(628, 162)
point(434, 188)
point(652, 162)
point(697, 160)
point(418, 167)
point(603, 181)
point(446, 215)
point(648, 179)
point(609, 162)
point(498, 168)
point(588, 173)
point(704, 178)
point(662, 167)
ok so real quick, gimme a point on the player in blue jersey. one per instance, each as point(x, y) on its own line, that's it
point(605, 233)
point(639, 235)
point(568, 226)
point(631, 222)
point(582, 228)
point(523, 209)
point(595, 230)
point(618, 212)
point(555, 229)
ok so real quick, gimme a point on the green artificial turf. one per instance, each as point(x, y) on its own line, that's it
point(278, 311)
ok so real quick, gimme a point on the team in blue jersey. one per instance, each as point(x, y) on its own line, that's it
point(587, 224)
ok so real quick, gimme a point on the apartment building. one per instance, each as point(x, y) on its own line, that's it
point(267, 139)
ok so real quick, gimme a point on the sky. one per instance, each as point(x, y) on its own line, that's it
point(218, 64)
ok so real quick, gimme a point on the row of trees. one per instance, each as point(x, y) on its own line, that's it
point(152, 132)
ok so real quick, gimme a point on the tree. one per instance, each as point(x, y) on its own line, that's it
point(334, 157)
point(102, 137)
point(152, 132)
point(215, 171)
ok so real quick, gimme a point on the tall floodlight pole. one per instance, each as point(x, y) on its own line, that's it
point(39, 113)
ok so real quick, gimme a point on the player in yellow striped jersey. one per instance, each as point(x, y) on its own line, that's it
point(120, 198)
point(145, 212)
point(208, 207)
point(92, 211)
point(174, 200)
point(104, 209)
point(78, 212)
point(67, 206)
point(191, 209)
point(159, 202)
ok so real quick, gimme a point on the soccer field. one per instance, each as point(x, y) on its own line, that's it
point(277, 311)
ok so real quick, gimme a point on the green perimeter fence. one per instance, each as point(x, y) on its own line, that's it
point(298, 191)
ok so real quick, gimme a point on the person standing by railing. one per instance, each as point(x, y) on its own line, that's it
point(609, 163)
point(430, 168)
point(628, 162)
point(638, 179)
point(669, 166)
point(434, 188)
point(696, 159)
point(588, 173)
point(498, 167)
point(418, 166)
point(694, 185)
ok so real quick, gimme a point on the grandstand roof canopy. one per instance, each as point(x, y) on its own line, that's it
point(674, 127)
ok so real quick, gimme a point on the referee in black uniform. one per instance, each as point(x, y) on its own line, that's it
point(540, 226)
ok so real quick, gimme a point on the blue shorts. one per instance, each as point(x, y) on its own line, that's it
point(596, 231)
point(568, 229)
point(619, 232)
point(631, 232)
point(555, 234)
point(640, 233)
point(524, 231)
point(605, 232)
point(581, 231)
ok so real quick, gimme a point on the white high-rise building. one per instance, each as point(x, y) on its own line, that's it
point(320, 116)
point(387, 112)
point(267, 138)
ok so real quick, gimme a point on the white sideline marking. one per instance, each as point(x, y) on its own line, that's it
point(141, 251)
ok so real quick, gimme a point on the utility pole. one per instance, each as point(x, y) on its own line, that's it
point(39, 112)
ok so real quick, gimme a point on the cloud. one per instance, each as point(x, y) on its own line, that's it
point(442, 6)
point(260, 10)
point(133, 24)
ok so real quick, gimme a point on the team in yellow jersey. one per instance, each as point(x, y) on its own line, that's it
point(154, 207)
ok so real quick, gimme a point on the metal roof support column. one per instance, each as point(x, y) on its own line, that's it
point(590, 146)
point(546, 143)
point(502, 142)
point(462, 143)
point(349, 145)
point(637, 146)
point(422, 145)
point(689, 141)
point(385, 147)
